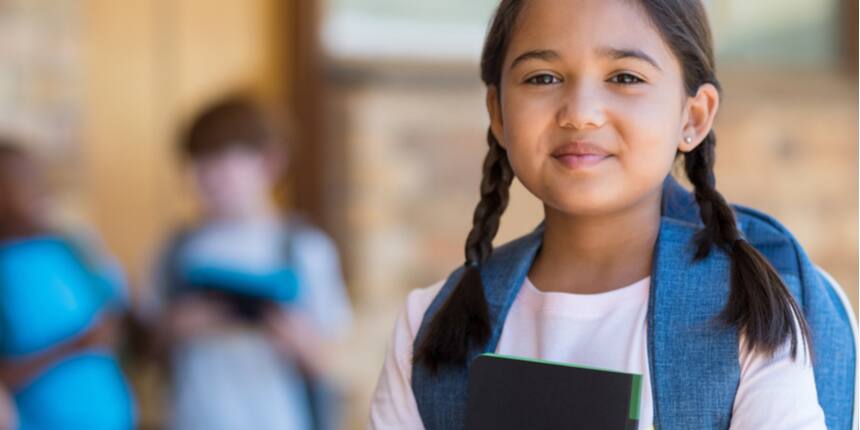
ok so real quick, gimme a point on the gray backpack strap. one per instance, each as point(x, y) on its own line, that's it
point(294, 226)
point(172, 279)
point(324, 401)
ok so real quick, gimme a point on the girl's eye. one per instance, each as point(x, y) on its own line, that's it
point(625, 79)
point(543, 79)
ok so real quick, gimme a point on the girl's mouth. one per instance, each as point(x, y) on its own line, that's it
point(575, 161)
point(580, 154)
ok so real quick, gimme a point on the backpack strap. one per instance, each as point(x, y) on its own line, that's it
point(172, 280)
point(692, 357)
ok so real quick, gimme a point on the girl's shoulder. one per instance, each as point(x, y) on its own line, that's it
point(774, 240)
point(416, 304)
point(761, 230)
point(759, 226)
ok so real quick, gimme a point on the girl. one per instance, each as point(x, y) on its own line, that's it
point(590, 103)
point(60, 304)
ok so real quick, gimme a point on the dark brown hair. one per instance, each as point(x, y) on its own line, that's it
point(233, 122)
point(759, 304)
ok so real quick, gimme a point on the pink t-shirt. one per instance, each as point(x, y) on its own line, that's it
point(606, 330)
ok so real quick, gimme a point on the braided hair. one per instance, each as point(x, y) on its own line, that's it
point(759, 302)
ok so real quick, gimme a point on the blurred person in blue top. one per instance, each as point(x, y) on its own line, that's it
point(248, 299)
point(61, 299)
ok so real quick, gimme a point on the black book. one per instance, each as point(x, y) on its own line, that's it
point(508, 392)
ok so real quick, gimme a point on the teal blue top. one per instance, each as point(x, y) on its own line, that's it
point(51, 293)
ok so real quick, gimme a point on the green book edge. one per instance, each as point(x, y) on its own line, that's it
point(635, 387)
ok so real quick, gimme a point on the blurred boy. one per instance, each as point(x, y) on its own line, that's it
point(249, 297)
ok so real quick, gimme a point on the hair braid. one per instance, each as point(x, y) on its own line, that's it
point(495, 185)
point(759, 303)
point(463, 319)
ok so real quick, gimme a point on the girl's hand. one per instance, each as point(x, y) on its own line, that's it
point(296, 338)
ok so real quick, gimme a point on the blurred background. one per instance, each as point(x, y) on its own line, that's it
point(387, 121)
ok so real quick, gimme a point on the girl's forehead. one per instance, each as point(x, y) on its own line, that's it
point(586, 28)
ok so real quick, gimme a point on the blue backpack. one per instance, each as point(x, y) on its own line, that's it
point(685, 296)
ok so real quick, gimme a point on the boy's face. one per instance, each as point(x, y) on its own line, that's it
point(591, 105)
point(233, 183)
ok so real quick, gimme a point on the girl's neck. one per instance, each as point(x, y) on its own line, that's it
point(594, 254)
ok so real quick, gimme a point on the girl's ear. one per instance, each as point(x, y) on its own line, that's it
point(495, 110)
point(699, 114)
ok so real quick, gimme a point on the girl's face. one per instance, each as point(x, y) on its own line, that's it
point(591, 105)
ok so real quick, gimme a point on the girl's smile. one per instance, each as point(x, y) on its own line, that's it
point(580, 155)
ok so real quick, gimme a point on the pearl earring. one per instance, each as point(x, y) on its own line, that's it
point(688, 139)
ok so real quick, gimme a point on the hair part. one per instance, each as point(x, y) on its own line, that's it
point(759, 306)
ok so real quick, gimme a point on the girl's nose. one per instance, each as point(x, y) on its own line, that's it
point(581, 108)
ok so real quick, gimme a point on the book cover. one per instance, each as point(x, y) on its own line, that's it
point(507, 392)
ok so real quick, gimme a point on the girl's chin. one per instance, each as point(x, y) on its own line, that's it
point(583, 208)
point(587, 203)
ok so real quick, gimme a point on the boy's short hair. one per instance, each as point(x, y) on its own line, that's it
point(233, 122)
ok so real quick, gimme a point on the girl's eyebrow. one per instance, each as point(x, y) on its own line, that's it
point(619, 53)
point(606, 51)
point(535, 54)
